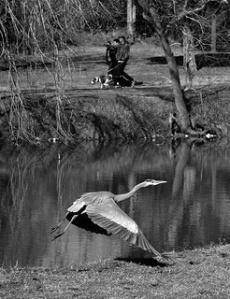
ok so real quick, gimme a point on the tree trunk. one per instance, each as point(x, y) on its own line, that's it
point(183, 115)
point(151, 16)
point(131, 19)
point(189, 61)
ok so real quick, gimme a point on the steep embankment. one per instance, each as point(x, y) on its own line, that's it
point(88, 114)
point(103, 115)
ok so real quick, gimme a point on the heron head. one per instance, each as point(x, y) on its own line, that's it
point(152, 182)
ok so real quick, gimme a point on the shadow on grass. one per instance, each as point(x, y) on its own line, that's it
point(151, 262)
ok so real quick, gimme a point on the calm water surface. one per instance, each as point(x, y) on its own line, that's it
point(36, 187)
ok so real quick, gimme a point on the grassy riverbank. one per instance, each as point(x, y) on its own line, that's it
point(127, 115)
point(199, 273)
point(80, 111)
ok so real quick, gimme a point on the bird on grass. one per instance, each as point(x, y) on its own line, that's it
point(101, 210)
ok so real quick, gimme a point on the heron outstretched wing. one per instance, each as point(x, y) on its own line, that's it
point(88, 199)
point(110, 217)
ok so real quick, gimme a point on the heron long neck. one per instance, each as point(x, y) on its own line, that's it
point(120, 197)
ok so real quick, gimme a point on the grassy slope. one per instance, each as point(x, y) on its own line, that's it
point(200, 273)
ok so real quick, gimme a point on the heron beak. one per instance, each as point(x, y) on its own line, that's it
point(160, 182)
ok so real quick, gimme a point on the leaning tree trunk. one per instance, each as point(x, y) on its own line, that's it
point(183, 115)
point(151, 16)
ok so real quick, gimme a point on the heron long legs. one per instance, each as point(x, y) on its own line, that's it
point(55, 228)
point(65, 229)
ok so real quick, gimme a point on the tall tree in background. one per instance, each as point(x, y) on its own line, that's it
point(153, 14)
point(165, 17)
point(131, 19)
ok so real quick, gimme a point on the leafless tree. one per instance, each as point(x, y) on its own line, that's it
point(166, 17)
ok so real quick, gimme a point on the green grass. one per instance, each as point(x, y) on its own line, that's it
point(199, 273)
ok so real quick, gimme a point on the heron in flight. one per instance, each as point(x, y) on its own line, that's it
point(102, 210)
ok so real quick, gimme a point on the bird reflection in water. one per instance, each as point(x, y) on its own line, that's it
point(98, 212)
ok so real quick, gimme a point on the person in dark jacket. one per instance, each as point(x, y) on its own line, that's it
point(111, 59)
point(122, 56)
point(111, 52)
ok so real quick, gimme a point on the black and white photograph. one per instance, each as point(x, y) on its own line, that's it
point(114, 149)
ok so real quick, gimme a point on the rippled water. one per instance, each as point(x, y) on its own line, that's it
point(36, 187)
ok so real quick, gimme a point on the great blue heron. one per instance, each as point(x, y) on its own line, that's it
point(102, 210)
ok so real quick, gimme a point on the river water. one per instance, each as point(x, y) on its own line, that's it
point(36, 187)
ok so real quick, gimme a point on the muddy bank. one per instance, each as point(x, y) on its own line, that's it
point(104, 115)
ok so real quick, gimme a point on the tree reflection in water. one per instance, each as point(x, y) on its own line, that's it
point(37, 187)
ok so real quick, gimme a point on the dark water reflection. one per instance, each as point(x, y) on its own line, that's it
point(192, 209)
